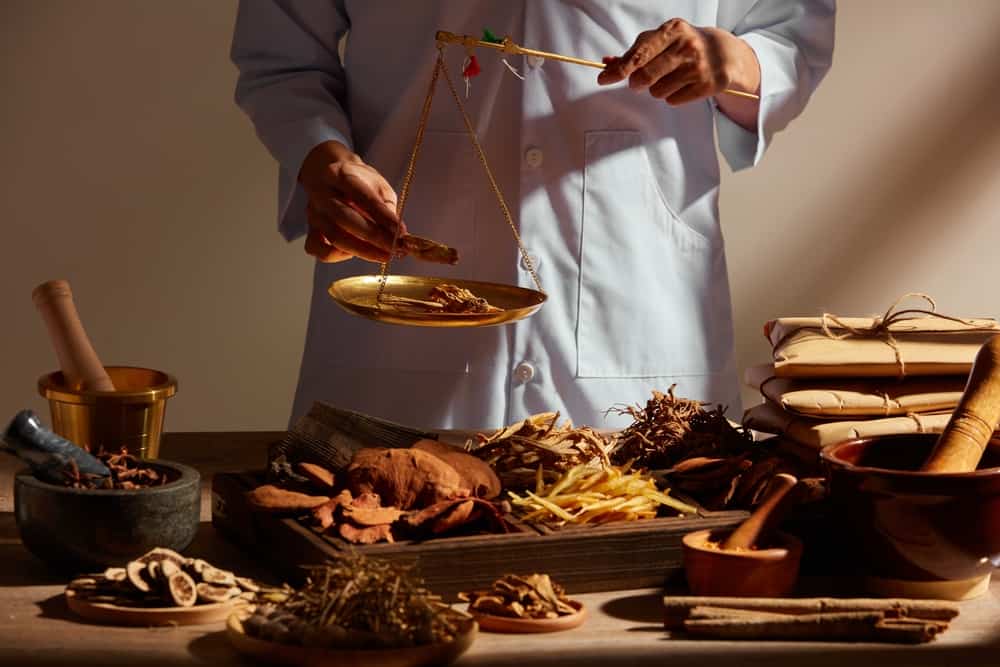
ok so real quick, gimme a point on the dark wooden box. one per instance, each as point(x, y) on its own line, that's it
point(583, 559)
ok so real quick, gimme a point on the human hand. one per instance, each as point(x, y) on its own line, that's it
point(680, 63)
point(352, 208)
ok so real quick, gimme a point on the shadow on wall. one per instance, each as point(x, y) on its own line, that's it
point(939, 150)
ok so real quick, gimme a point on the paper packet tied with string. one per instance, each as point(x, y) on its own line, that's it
point(826, 347)
point(770, 418)
point(849, 398)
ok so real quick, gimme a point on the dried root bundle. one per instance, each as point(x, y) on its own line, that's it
point(585, 495)
point(516, 452)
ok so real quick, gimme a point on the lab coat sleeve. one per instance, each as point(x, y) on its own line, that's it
point(292, 86)
point(793, 41)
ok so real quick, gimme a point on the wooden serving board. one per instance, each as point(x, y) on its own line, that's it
point(583, 559)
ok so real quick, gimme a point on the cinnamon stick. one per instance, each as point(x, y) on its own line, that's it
point(678, 608)
point(842, 626)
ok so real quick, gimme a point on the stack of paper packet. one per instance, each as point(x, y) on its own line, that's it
point(852, 378)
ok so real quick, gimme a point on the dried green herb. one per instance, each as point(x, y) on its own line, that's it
point(359, 602)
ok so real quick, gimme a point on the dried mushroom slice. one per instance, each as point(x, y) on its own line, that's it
point(182, 589)
point(213, 593)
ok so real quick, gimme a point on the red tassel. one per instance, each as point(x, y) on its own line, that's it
point(471, 68)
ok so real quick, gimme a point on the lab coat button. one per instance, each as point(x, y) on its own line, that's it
point(534, 62)
point(533, 157)
point(533, 258)
point(524, 372)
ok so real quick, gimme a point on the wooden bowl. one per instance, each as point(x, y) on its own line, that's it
point(911, 533)
point(290, 654)
point(767, 572)
point(89, 529)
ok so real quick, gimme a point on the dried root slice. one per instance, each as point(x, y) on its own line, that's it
point(196, 566)
point(316, 474)
point(136, 573)
point(428, 250)
point(213, 575)
point(182, 589)
point(115, 574)
point(213, 593)
point(162, 554)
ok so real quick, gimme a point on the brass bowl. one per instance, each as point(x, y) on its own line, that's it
point(357, 295)
point(131, 416)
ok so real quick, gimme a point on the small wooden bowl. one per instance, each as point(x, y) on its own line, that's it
point(769, 572)
point(510, 625)
point(145, 617)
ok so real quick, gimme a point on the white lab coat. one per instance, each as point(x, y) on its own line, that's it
point(615, 195)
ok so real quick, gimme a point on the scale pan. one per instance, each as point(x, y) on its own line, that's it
point(357, 294)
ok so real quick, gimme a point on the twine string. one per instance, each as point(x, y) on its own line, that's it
point(881, 327)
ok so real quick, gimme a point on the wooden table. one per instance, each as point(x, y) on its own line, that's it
point(624, 627)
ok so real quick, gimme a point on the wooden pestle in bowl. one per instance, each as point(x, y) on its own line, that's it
point(78, 361)
point(766, 517)
point(963, 441)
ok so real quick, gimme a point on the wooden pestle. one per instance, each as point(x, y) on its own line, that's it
point(79, 362)
point(768, 514)
point(971, 426)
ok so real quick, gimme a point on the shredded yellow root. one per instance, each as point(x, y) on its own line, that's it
point(589, 494)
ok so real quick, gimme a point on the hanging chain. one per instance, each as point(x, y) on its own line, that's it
point(408, 176)
point(530, 265)
point(439, 68)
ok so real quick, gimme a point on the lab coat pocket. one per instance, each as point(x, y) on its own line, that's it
point(651, 286)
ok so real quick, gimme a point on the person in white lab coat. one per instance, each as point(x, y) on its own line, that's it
point(613, 186)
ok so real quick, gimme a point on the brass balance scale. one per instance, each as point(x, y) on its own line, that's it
point(406, 300)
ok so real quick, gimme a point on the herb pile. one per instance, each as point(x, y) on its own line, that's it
point(531, 596)
point(358, 602)
point(127, 473)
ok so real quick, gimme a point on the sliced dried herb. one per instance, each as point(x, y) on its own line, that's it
point(531, 596)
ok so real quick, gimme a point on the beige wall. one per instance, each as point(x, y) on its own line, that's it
point(125, 168)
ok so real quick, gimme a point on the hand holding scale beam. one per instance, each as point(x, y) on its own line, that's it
point(508, 46)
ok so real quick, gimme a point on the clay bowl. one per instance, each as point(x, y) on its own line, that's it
point(911, 533)
point(766, 572)
point(81, 529)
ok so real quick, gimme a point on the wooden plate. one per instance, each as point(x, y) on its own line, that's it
point(357, 295)
point(288, 654)
point(113, 614)
point(529, 625)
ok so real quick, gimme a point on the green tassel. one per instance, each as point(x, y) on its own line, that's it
point(488, 36)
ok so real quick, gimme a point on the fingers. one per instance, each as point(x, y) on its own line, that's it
point(350, 220)
point(688, 93)
point(318, 247)
point(331, 230)
point(663, 65)
point(647, 46)
point(369, 193)
point(673, 82)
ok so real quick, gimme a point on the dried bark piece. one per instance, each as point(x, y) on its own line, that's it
point(270, 498)
point(458, 514)
point(404, 478)
point(428, 250)
point(365, 535)
point(323, 514)
point(316, 474)
point(367, 501)
point(365, 516)
point(476, 474)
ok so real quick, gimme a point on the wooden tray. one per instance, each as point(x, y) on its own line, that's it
point(582, 559)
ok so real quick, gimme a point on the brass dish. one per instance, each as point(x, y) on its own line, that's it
point(505, 624)
point(357, 295)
